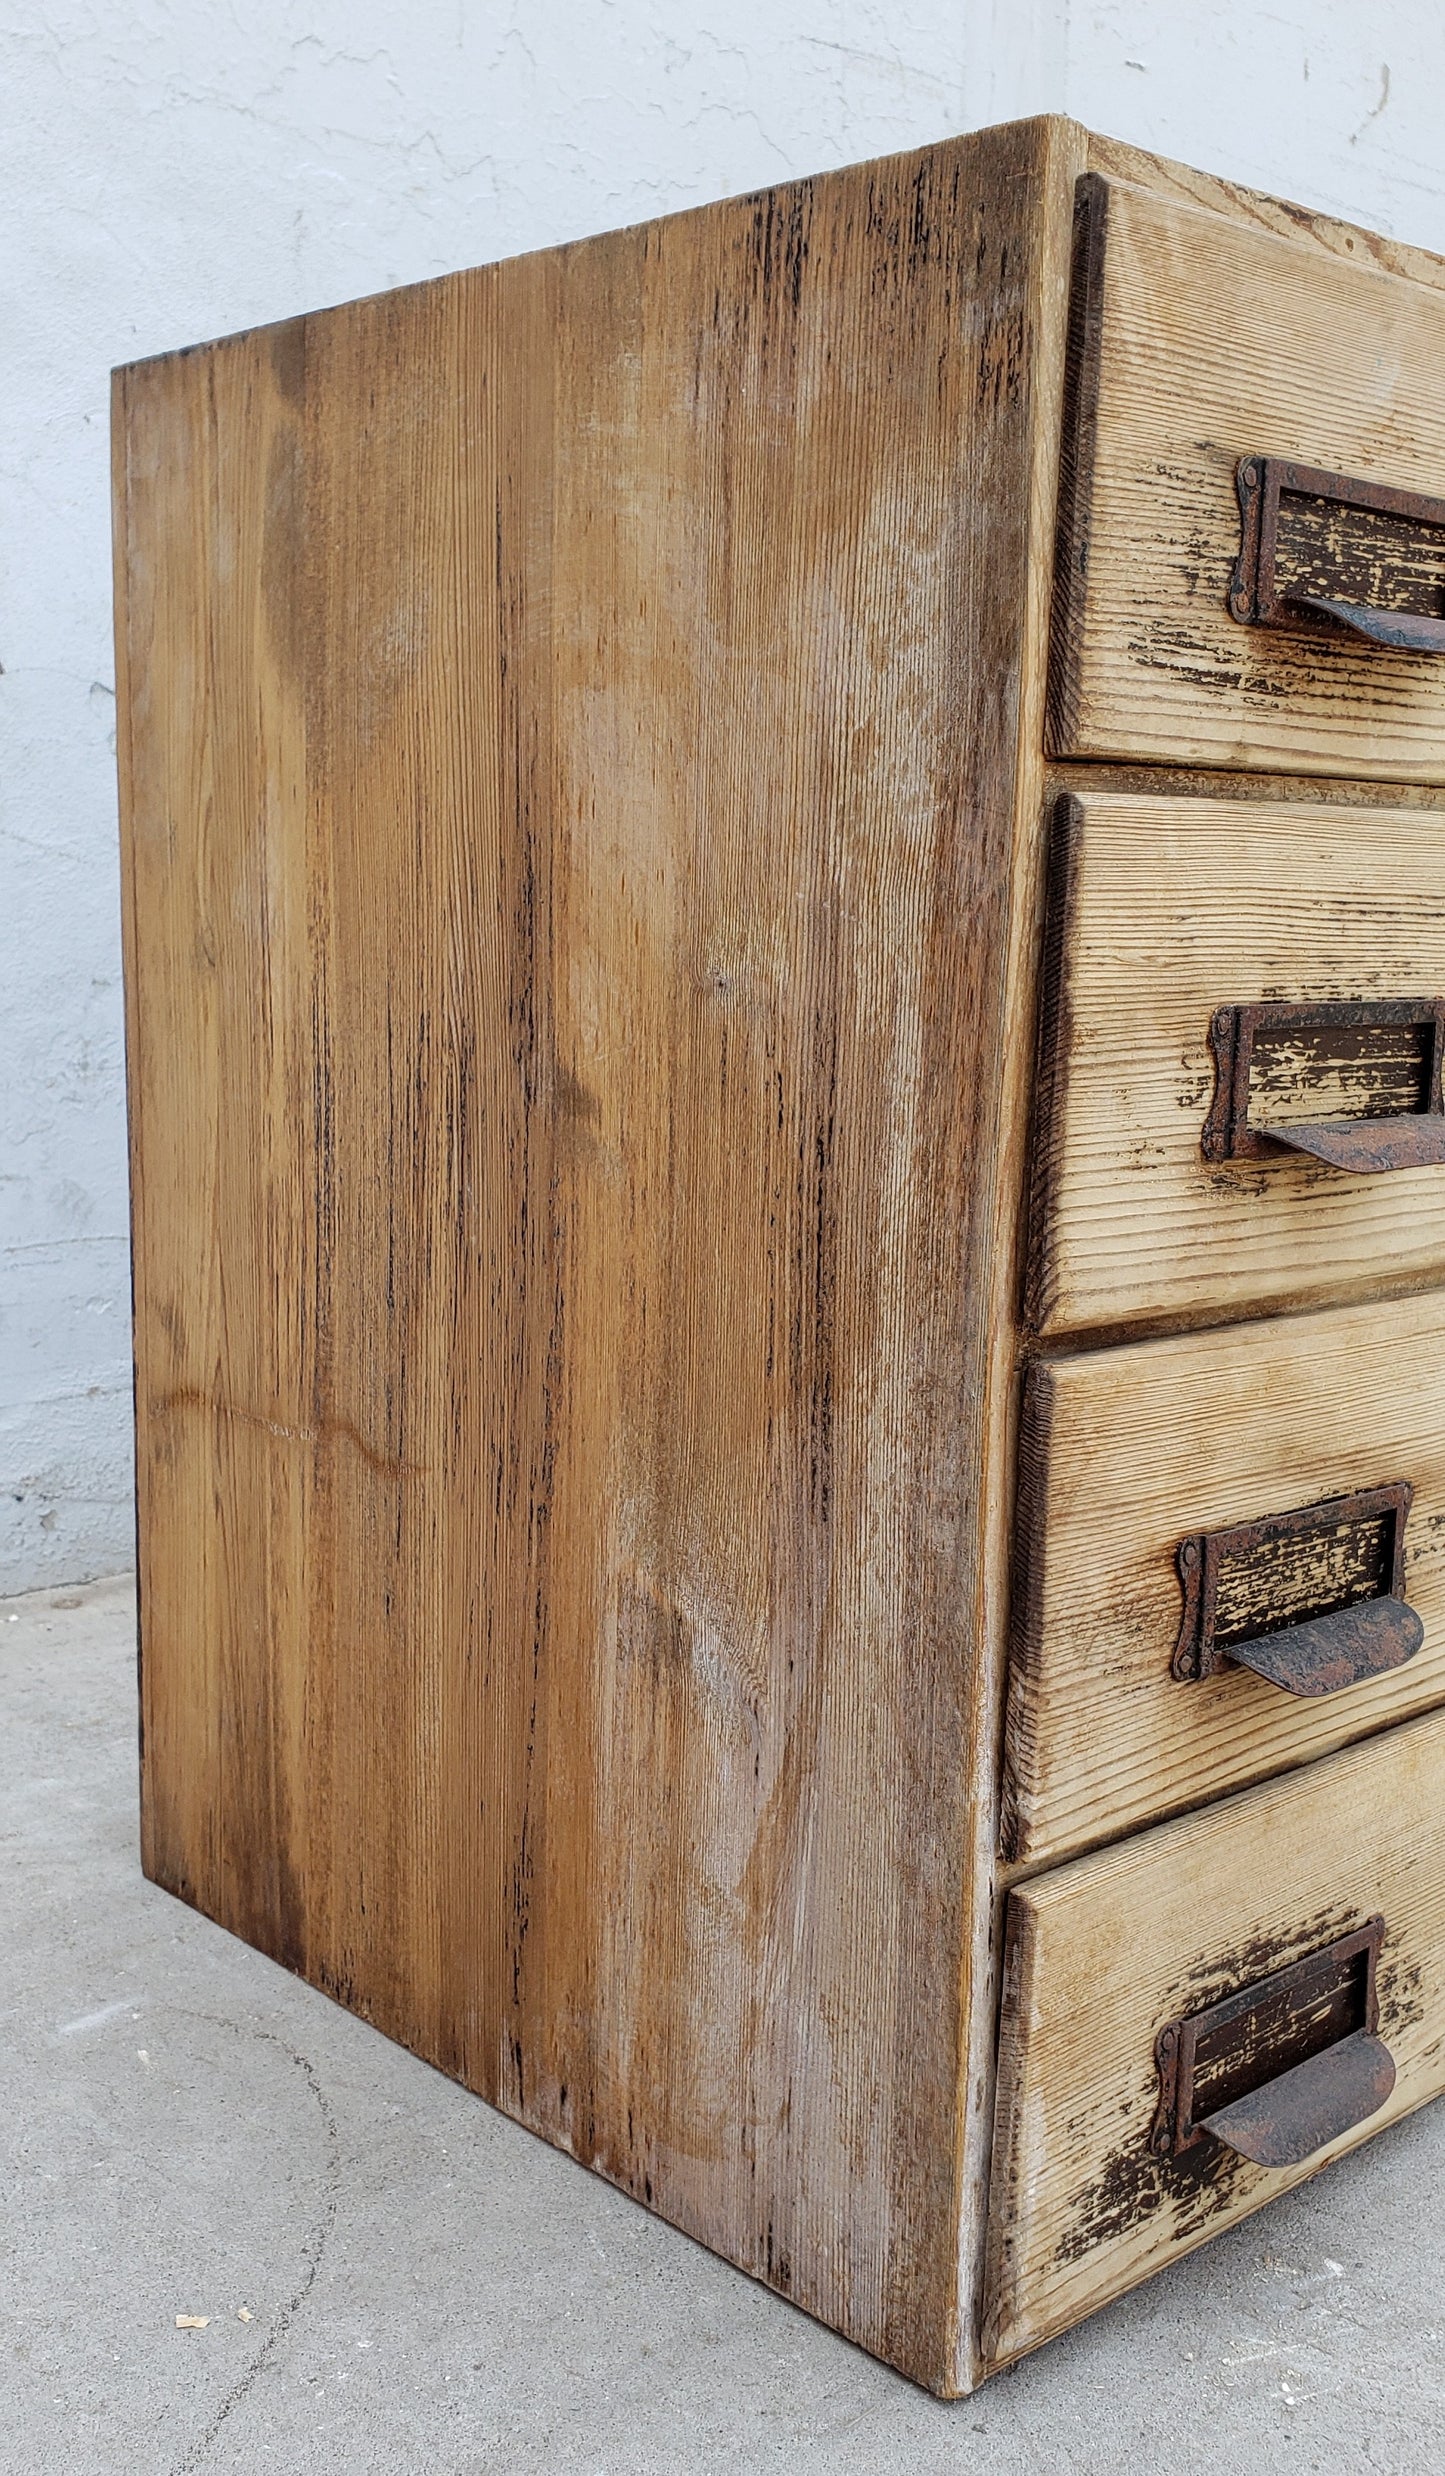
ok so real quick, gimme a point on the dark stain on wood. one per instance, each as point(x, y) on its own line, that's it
point(1026, 1604)
point(1053, 1047)
point(1350, 1071)
point(1136, 2186)
point(1208, 1980)
point(1276, 1582)
point(1076, 454)
point(1358, 554)
point(1405, 1999)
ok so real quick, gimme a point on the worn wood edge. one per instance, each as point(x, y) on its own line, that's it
point(1029, 1575)
point(1080, 1339)
point(1092, 152)
point(1078, 438)
point(1117, 160)
point(130, 998)
point(1193, 757)
point(1020, 1944)
point(1052, 1041)
point(1061, 145)
point(1048, 128)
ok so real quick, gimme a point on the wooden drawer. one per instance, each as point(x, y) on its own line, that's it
point(1199, 344)
point(1128, 1456)
point(1104, 1953)
point(1165, 911)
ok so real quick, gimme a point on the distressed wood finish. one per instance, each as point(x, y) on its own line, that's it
point(1256, 211)
point(1202, 339)
point(580, 973)
point(583, 767)
point(1128, 1451)
point(1102, 1952)
point(1165, 909)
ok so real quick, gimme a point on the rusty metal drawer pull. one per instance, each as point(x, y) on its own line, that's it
point(1283, 2067)
point(1386, 1053)
point(1310, 1600)
point(1295, 508)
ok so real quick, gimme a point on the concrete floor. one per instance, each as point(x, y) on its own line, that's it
point(188, 2130)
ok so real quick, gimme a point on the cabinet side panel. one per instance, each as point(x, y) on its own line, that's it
point(217, 907)
point(570, 825)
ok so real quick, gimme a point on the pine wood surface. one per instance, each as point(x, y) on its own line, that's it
point(1167, 908)
point(1126, 1452)
point(996, 769)
point(1103, 1951)
point(1217, 782)
point(1214, 338)
point(583, 790)
point(580, 969)
point(1353, 244)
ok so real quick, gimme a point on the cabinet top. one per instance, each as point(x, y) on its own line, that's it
point(1042, 148)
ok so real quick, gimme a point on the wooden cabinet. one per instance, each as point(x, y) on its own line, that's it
point(603, 828)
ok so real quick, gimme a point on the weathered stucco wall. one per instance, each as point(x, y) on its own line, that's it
point(174, 169)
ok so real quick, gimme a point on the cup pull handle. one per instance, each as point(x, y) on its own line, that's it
point(1286, 2120)
point(1311, 1600)
point(1368, 1145)
point(1282, 2067)
point(1389, 1049)
point(1267, 485)
point(1332, 1652)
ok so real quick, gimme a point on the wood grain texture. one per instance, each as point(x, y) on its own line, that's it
point(1217, 782)
point(581, 943)
point(1183, 183)
point(1082, 2209)
point(1026, 636)
point(1166, 908)
point(1213, 339)
point(1126, 1452)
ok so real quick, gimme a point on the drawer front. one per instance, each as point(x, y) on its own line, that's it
point(1200, 347)
point(1171, 915)
point(1105, 1954)
point(1132, 1456)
